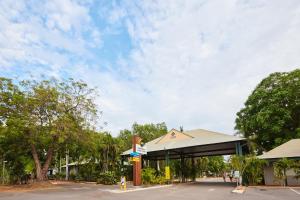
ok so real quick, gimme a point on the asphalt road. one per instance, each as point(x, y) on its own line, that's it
point(196, 191)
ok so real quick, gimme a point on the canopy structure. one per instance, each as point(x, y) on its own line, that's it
point(290, 149)
point(194, 143)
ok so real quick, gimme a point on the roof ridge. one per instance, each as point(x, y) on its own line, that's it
point(175, 130)
point(210, 131)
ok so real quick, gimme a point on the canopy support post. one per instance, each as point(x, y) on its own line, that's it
point(193, 169)
point(182, 168)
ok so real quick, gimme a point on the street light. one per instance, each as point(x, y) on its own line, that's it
point(4, 161)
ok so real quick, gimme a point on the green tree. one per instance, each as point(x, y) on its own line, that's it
point(147, 132)
point(202, 165)
point(216, 165)
point(296, 168)
point(250, 168)
point(271, 115)
point(254, 172)
point(280, 168)
point(46, 115)
point(125, 140)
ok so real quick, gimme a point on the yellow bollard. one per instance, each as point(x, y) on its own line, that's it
point(123, 183)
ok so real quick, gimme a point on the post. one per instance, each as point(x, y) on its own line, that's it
point(59, 163)
point(239, 152)
point(67, 165)
point(157, 165)
point(137, 165)
point(182, 168)
point(193, 169)
point(238, 149)
point(167, 167)
point(3, 170)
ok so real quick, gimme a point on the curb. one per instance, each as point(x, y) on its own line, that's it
point(239, 190)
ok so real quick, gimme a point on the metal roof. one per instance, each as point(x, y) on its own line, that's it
point(290, 149)
point(197, 142)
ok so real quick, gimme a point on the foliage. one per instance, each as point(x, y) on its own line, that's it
point(271, 115)
point(250, 168)
point(254, 170)
point(149, 176)
point(60, 176)
point(280, 168)
point(147, 132)
point(44, 116)
point(202, 165)
point(238, 163)
point(296, 168)
point(216, 165)
point(107, 178)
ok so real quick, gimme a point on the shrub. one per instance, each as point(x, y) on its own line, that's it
point(149, 176)
point(280, 168)
point(60, 176)
point(254, 171)
point(107, 178)
point(72, 176)
point(78, 177)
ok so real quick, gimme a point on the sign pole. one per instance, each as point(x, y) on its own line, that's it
point(137, 165)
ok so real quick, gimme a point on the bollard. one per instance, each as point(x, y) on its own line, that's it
point(123, 183)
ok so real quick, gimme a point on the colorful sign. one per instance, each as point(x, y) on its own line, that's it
point(167, 173)
point(134, 154)
point(140, 149)
point(136, 159)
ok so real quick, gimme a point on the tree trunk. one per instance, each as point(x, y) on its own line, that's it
point(285, 177)
point(37, 163)
point(41, 173)
point(48, 162)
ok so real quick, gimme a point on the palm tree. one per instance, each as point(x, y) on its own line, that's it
point(280, 168)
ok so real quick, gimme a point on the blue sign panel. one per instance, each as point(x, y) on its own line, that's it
point(134, 154)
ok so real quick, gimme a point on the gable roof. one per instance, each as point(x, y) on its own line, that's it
point(197, 137)
point(290, 149)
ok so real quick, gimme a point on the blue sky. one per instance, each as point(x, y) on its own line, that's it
point(191, 63)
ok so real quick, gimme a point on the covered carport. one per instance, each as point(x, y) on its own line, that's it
point(191, 144)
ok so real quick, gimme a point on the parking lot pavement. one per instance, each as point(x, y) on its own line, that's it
point(196, 191)
point(296, 190)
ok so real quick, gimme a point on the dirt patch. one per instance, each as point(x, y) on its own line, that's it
point(28, 187)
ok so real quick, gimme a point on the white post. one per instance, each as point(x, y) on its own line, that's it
point(4, 161)
point(59, 164)
point(67, 165)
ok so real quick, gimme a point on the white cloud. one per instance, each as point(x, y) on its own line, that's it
point(48, 33)
point(66, 15)
point(196, 62)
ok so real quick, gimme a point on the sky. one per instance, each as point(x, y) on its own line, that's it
point(187, 63)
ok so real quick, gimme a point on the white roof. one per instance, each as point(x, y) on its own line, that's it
point(290, 149)
point(192, 138)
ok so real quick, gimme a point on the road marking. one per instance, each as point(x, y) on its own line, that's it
point(295, 191)
point(80, 188)
point(211, 190)
point(134, 190)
